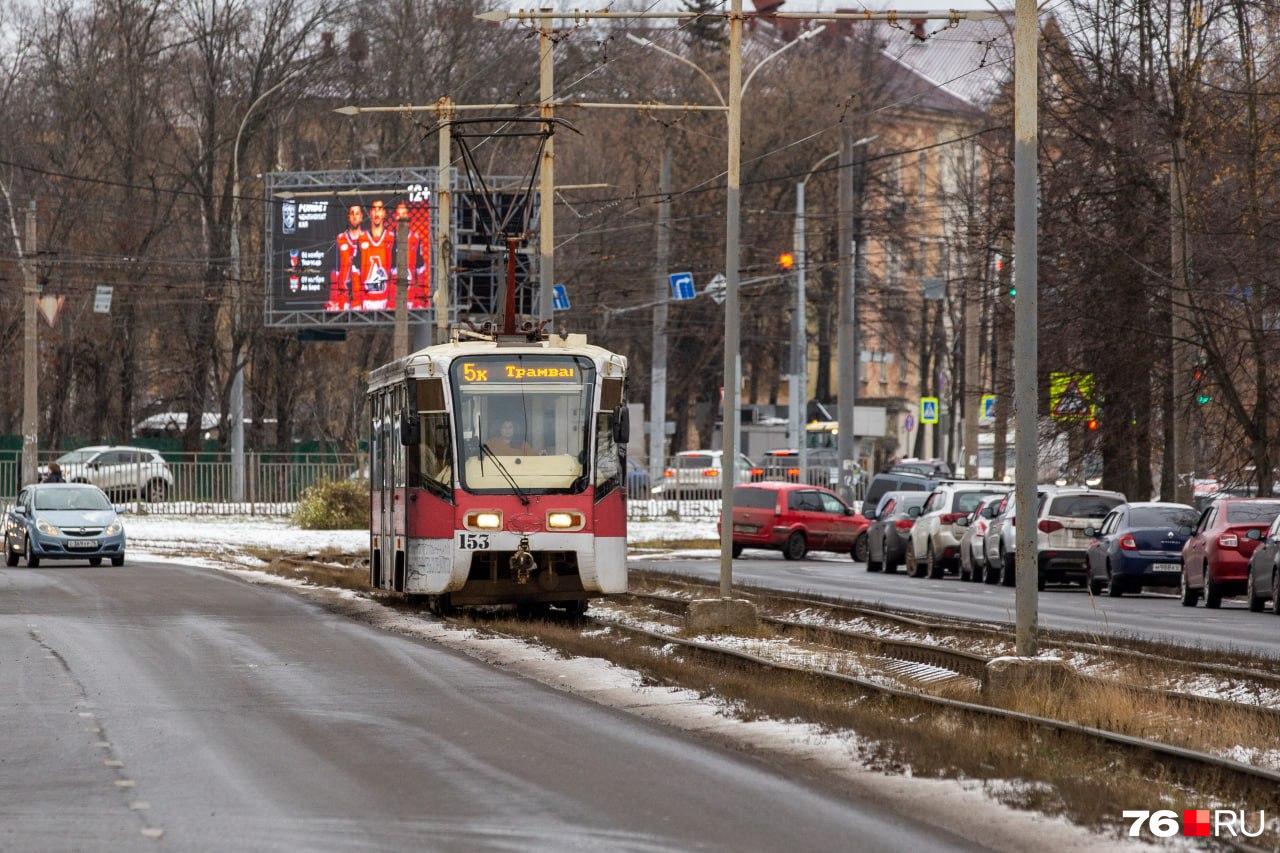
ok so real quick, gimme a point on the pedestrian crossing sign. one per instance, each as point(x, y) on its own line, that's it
point(928, 410)
point(987, 410)
point(1071, 396)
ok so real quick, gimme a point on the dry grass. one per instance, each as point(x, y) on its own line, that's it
point(327, 567)
point(674, 544)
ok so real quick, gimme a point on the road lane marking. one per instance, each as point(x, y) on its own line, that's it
point(125, 783)
point(153, 832)
point(113, 762)
point(139, 805)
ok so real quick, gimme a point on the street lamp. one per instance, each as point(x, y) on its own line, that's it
point(237, 376)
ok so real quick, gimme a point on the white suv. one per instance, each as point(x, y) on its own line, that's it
point(1062, 515)
point(934, 546)
point(125, 471)
point(696, 474)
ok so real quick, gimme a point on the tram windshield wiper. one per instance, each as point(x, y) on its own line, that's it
point(502, 469)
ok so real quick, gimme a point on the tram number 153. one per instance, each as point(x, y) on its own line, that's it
point(473, 541)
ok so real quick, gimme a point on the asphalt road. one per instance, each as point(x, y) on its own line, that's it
point(162, 700)
point(1151, 616)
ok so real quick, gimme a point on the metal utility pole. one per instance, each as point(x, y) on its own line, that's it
point(658, 370)
point(846, 339)
point(444, 221)
point(400, 337)
point(732, 318)
point(547, 175)
point(798, 386)
point(1025, 167)
point(30, 353)
point(972, 373)
point(1181, 326)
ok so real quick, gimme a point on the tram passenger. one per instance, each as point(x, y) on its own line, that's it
point(504, 444)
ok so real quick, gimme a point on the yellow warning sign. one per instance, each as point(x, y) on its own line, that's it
point(1071, 395)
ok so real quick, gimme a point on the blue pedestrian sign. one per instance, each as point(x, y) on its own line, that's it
point(988, 413)
point(682, 289)
point(559, 298)
point(928, 410)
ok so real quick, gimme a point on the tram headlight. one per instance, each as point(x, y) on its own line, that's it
point(488, 519)
point(562, 520)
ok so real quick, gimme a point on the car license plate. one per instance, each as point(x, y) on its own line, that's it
point(745, 528)
point(82, 543)
point(1166, 567)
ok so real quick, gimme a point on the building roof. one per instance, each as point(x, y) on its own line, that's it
point(966, 65)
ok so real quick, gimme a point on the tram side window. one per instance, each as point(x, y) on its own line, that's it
point(397, 449)
point(608, 455)
point(430, 464)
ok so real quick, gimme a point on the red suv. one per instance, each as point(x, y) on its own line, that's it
point(1215, 560)
point(793, 518)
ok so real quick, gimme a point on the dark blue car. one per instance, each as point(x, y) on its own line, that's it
point(1139, 545)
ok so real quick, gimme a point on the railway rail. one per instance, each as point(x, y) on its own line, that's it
point(969, 628)
point(1182, 754)
point(963, 663)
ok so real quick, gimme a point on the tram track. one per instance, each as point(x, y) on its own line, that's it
point(1130, 742)
point(964, 663)
point(917, 621)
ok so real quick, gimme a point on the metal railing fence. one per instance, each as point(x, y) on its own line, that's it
point(199, 483)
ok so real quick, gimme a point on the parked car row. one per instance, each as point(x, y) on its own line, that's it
point(1084, 536)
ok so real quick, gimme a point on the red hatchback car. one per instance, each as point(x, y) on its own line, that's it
point(793, 518)
point(1215, 559)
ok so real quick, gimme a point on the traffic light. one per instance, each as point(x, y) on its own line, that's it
point(786, 261)
point(1203, 398)
point(1092, 424)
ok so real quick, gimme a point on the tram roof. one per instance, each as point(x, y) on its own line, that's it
point(553, 345)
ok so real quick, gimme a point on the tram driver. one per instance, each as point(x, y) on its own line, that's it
point(505, 444)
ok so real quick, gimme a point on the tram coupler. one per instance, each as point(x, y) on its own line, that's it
point(522, 562)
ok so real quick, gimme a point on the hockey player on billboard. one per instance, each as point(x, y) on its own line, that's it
point(344, 282)
point(419, 254)
point(377, 261)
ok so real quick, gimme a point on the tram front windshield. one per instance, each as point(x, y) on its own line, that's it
point(523, 420)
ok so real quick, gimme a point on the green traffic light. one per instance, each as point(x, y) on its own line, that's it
point(1203, 399)
point(1013, 292)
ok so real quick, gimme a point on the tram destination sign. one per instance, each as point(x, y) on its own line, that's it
point(518, 371)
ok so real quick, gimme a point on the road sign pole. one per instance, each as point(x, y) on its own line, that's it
point(798, 392)
point(1025, 39)
point(732, 321)
point(658, 367)
point(846, 337)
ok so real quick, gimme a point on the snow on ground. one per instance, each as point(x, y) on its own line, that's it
point(228, 534)
point(222, 534)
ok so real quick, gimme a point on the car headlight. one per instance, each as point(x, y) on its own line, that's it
point(113, 528)
point(47, 529)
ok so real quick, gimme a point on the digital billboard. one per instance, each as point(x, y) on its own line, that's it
point(332, 260)
point(339, 254)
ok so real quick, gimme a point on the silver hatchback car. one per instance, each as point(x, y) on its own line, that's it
point(63, 521)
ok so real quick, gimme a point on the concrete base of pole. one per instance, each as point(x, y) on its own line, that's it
point(720, 614)
point(1011, 674)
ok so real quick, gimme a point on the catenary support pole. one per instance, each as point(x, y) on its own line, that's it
point(444, 221)
point(30, 353)
point(732, 318)
point(1026, 43)
point(798, 390)
point(547, 173)
point(400, 336)
point(658, 369)
point(972, 374)
point(846, 355)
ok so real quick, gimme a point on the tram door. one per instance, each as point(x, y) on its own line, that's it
point(390, 442)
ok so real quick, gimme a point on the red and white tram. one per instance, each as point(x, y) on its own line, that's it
point(497, 472)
